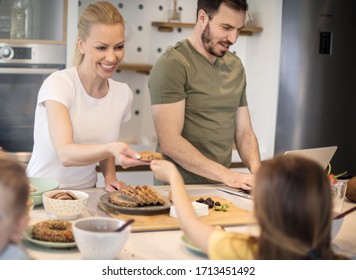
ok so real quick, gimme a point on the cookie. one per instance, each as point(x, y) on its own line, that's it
point(149, 156)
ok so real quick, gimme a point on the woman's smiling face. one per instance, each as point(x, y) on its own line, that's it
point(103, 49)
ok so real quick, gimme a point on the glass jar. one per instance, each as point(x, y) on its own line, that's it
point(20, 19)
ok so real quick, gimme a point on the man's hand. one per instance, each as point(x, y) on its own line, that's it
point(240, 180)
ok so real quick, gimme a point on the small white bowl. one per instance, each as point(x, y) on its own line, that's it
point(96, 238)
point(65, 209)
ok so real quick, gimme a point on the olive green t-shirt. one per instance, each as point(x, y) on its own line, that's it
point(212, 95)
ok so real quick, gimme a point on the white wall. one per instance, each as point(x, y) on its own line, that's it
point(259, 53)
point(262, 59)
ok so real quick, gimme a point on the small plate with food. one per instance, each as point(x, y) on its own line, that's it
point(51, 233)
point(139, 200)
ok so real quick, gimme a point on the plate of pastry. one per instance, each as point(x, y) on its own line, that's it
point(51, 233)
point(138, 200)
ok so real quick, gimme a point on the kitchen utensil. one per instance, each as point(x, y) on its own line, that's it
point(341, 215)
point(127, 223)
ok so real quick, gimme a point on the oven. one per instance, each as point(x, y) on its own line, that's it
point(23, 68)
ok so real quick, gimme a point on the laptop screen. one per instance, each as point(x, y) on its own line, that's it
point(321, 155)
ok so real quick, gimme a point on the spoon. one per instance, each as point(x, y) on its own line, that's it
point(127, 223)
point(341, 215)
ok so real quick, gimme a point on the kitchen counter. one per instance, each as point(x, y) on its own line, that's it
point(153, 245)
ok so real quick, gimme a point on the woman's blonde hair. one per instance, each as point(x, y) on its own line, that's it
point(293, 206)
point(99, 12)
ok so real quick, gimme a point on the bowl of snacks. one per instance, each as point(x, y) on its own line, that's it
point(40, 185)
point(98, 238)
point(65, 204)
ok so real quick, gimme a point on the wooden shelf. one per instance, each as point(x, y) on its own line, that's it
point(169, 26)
point(139, 68)
point(31, 41)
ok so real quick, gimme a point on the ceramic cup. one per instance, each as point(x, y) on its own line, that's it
point(96, 238)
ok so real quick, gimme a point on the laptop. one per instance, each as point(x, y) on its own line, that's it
point(321, 155)
point(234, 191)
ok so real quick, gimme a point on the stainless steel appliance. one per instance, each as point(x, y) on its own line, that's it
point(317, 91)
point(23, 68)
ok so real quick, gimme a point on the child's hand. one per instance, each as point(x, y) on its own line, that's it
point(163, 170)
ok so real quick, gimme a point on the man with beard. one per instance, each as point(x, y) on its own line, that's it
point(199, 105)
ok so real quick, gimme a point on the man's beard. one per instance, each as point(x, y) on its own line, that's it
point(207, 40)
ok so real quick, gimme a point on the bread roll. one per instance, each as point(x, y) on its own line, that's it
point(351, 189)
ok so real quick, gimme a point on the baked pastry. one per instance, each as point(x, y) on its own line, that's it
point(53, 231)
point(136, 196)
point(65, 195)
point(351, 189)
point(118, 199)
point(156, 197)
point(149, 156)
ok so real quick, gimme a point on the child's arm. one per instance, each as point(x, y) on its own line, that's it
point(197, 231)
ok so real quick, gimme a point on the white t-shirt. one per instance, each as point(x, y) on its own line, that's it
point(94, 121)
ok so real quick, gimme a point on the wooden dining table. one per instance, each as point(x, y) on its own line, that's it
point(168, 242)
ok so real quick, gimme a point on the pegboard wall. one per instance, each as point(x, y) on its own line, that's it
point(144, 44)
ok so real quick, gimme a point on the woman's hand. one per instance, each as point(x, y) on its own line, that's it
point(126, 156)
point(115, 186)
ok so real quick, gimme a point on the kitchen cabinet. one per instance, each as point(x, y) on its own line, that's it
point(46, 22)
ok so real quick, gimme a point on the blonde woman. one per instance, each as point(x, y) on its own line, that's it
point(80, 109)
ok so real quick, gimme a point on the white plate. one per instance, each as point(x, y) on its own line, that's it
point(28, 236)
point(189, 244)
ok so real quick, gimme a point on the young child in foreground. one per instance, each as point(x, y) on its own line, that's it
point(292, 205)
point(14, 193)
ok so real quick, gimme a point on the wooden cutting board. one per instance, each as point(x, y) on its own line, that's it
point(232, 217)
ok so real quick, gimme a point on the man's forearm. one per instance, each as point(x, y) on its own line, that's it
point(248, 150)
point(190, 158)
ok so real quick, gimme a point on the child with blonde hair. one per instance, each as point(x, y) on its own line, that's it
point(292, 206)
point(14, 193)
